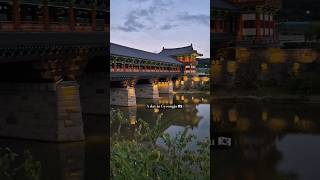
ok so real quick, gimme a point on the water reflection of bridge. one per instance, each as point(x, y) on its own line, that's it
point(257, 130)
point(275, 118)
point(83, 160)
point(186, 117)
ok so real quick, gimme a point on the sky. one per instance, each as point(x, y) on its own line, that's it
point(152, 24)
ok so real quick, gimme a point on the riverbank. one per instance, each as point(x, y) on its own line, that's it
point(276, 97)
point(192, 92)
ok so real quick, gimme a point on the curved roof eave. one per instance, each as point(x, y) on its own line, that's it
point(120, 50)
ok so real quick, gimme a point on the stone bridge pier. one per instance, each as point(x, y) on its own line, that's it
point(146, 88)
point(92, 86)
point(51, 111)
point(47, 82)
point(126, 92)
point(165, 86)
point(42, 111)
point(122, 93)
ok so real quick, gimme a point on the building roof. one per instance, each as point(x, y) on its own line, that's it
point(178, 51)
point(221, 4)
point(119, 50)
point(203, 62)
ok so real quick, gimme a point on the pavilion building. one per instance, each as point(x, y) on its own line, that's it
point(54, 16)
point(186, 55)
point(257, 20)
point(244, 22)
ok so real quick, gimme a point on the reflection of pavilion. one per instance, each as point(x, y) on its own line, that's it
point(186, 117)
point(275, 119)
point(256, 128)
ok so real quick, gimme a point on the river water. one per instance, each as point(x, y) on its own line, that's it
point(195, 115)
point(271, 141)
point(86, 160)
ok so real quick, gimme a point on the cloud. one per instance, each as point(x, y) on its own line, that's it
point(168, 26)
point(140, 19)
point(197, 18)
point(132, 24)
point(139, 1)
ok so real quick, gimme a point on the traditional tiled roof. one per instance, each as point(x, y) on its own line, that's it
point(224, 5)
point(119, 50)
point(178, 51)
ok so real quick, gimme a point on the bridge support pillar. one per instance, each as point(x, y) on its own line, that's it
point(147, 90)
point(93, 93)
point(123, 95)
point(165, 87)
point(41, 111)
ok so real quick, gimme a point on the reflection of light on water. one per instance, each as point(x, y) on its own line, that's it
point(264, 116)
point(205, 79)
point(185, 78)
point(305, 124)
point(276, 55)
point(177, 83)
point(196, 100)
point(233, 115)
point(277, 124)
point(243, 124)
point(204, 101)
point(195, 116)
point(196, 79)
point(216, 115)
point(296, 119)
point(133, 120)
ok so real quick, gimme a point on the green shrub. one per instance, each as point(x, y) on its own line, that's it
point(14, 166)
point(141, 158)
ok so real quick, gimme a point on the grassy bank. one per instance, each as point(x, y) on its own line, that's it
point(266, 94)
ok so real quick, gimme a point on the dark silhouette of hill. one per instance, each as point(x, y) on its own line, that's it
point(300, 10)
point(302, 4)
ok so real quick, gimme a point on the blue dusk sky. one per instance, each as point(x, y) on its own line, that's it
point(152, 24)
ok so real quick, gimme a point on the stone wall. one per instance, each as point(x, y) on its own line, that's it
point(42, 111)
point(123, 96)
point(147, 91)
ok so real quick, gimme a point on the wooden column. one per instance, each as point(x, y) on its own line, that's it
point(16, 14)
point(93, 19)
point(263, 25)
point(272, 26)
point(240, 27)
point(72, 21)
point(216, 28)
point(258, 26)
point(45, 10)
